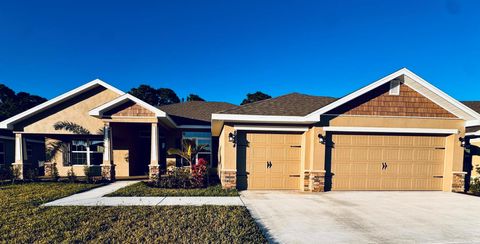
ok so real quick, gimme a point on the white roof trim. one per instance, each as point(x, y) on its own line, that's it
point(98, 111)
point(391, 130)
point(262, 118)
point(474, 115)
point(8, 123)
point(270, 128)
point(194, 126)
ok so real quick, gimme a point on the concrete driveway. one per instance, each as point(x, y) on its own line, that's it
point(366, 217)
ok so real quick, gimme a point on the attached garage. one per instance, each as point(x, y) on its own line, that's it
point(399, 133)
point(270, 160)
point(387, 162)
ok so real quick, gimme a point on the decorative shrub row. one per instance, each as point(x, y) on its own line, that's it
point(184, 177)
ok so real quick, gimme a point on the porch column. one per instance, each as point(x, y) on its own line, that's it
point(18, 165)
point(108, 168)
point(154, 167)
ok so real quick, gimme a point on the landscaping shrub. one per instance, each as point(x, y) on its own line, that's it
point(55, 174)
point(475, 186)
point(200, 173)
point(184, 177)
point(88, 174)
point(31, 174)
point(72, 177)
point(6, 173)
point(178, 177)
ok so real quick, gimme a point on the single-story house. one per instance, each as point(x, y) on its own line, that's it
point(397, 133)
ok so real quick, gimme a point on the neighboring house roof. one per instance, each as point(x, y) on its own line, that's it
point(293, 104)
point(8, 123)
point(194, 112)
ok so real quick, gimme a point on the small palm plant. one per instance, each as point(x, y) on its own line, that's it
point(188, 151)
point(58, 146)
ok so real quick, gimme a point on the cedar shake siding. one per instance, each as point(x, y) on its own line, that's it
point(130, 109)
point(379, 102)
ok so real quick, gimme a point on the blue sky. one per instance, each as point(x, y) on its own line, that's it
point(222, 50)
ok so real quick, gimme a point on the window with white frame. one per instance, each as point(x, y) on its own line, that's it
point(2, 153)
point(86, 152)
point(200, 138)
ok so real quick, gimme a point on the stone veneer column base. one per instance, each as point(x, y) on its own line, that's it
point(458, 183)
point(19, 170)
point(48, 169)
point(306, 181)
point(154, 172)
point(316, 181)
point(228, 179)
point(108, 172)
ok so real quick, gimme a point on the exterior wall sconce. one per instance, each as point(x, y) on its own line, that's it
point(321, 139)
point(463, 142)
point(232, 137)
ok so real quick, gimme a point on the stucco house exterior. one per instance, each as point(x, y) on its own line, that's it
point(397, 133)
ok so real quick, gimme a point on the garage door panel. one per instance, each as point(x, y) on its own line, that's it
point(283, 153)
point(407, 154)
point(412, 161)
point(375, 154)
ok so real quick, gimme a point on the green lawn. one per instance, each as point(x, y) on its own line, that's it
point(143, 190)
point(23, 221)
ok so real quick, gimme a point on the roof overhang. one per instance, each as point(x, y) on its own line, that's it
point(8, 123)
point(218, 120)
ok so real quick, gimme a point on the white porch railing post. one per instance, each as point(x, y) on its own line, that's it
point(19, 155)
point(108, 167)
point(154, 167)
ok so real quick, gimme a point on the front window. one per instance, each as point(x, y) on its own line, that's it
point(86, 152)
point(200, 138)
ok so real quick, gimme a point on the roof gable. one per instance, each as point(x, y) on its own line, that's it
point(127, 99)
point(8, 123)
point(416, 83)
point(383, 101)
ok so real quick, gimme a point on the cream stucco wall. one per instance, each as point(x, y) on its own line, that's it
point(75, 110)
point(227, 153)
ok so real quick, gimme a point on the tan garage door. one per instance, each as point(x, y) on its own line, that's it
point(387, 162)
point(284, 153)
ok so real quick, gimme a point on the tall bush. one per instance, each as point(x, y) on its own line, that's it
point(72, 177)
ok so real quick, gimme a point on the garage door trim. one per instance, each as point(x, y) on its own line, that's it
point(391, 130)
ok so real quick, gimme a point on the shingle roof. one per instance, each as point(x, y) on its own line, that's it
point(475, 105)
point(293, 104)
point(194, 112)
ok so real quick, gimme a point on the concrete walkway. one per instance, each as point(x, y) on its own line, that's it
point(95, 197)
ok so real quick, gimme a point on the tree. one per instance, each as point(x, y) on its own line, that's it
point(146, 93)
point(155, 97)
point(167, 96)
point(194, 97)
point(12, 104)
point(255, 97)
